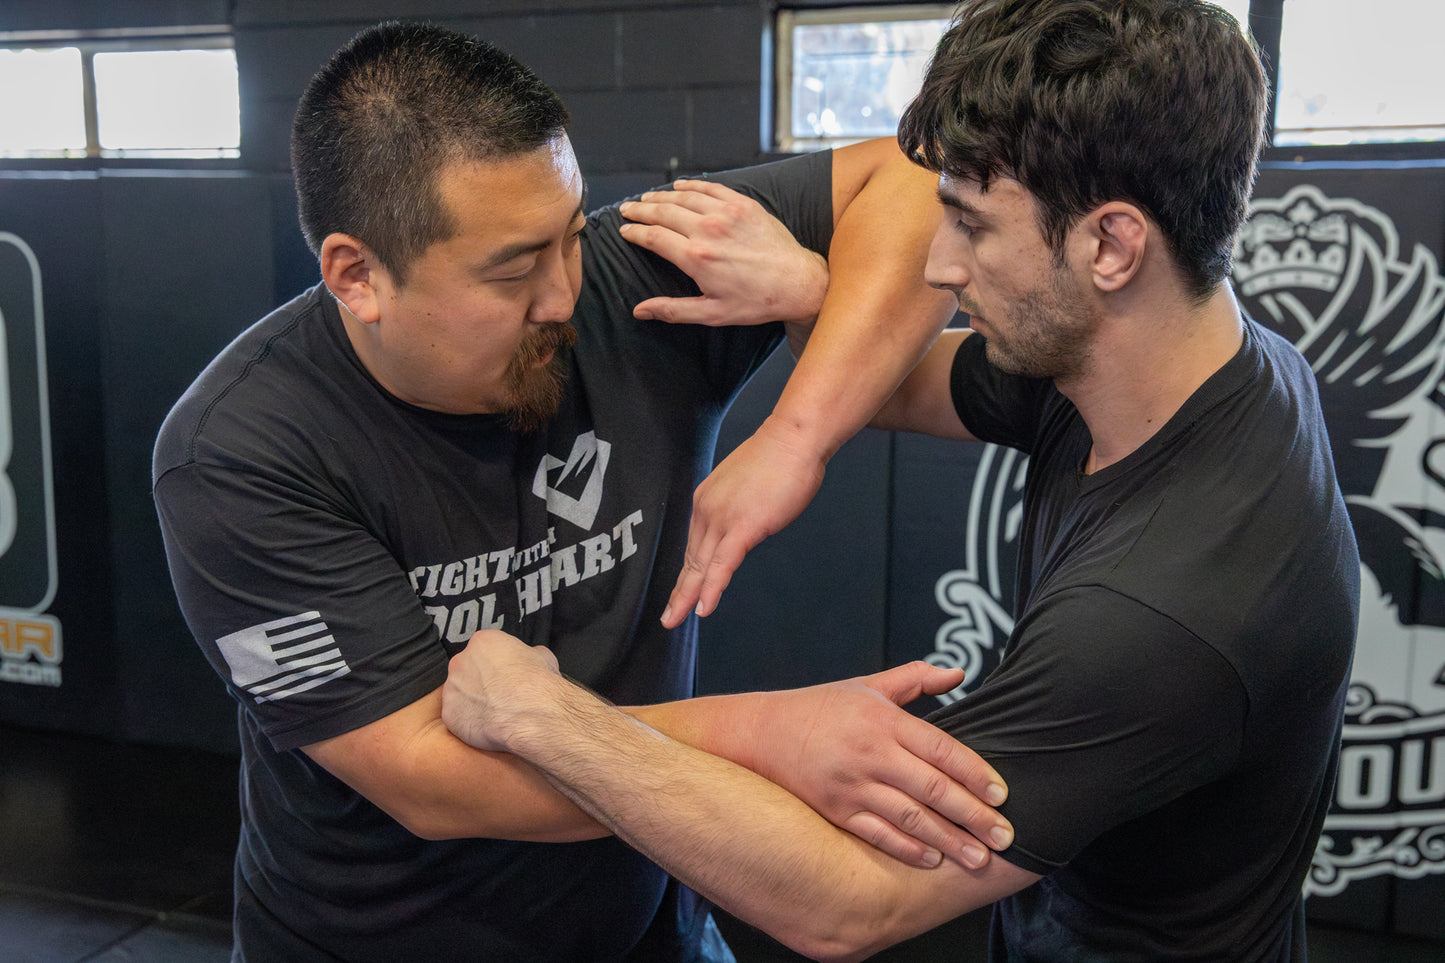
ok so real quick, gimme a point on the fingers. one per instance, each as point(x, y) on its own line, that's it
point(914, 835)
point(704, 577)
point(683, 598)
point(718, 572)
point(675, 246)
point(955, 781)
point(881, 834)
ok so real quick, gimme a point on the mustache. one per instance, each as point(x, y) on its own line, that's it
point(544, 340)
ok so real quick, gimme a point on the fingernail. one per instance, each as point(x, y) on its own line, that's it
point(931, 858)
point(625, 228)
point(667, 612)
point(995, 794)
point(1002, 837)
point(973, 856)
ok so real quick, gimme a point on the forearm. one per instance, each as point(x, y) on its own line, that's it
point(735, 837)
point(878, 317)
point(409, 765)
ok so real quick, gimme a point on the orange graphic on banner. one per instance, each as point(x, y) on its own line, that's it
point(21, 636)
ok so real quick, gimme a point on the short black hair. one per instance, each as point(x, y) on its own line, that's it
point(393, 107)
point(1157, 102)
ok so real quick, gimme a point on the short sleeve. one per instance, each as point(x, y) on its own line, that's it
point(1102, 710)
point(994, 406)
point(300, 610)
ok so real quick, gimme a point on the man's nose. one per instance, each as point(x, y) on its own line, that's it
point(556, 297)
point(945, 268)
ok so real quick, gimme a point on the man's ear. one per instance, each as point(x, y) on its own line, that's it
point(1120, 233)
point(350, 271)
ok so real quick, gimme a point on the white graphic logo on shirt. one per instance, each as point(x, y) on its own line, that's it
point(557, 482)
point(278, 659)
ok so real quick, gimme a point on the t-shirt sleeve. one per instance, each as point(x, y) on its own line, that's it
point(1102, 711)
point(798, 191)
point(995, 406)
point(300, 610)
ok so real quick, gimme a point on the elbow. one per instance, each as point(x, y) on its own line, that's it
point(431, 823)
point(841, 939)
point(835, 948)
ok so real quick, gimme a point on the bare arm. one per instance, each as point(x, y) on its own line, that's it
point(876, 758)
point(743, 842)
point(923, 403)
point(875, 322)
point(409, 765)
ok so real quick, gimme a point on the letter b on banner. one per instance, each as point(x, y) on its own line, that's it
point(27, 513)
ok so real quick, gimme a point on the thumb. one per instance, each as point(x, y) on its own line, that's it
point(902, 684)
point(693, 310)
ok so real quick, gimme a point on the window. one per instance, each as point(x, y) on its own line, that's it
point(120, 96)
point(1350, 75)
point(845, 75)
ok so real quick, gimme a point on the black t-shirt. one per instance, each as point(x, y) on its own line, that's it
point(332, 546)
point(1167, 711)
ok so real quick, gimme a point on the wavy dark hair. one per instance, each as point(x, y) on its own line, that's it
point(394, 106)
point(1157, 102)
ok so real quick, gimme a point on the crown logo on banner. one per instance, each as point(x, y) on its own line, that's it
point(1302, 246)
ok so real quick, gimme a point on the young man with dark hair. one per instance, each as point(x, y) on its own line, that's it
point(1167, 713)
point(463, 428)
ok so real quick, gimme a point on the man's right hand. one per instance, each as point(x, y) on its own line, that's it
point(745, 262)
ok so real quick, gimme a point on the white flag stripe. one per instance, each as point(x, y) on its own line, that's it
point(290, 677)
point(285, 652)
point(332, 654)
point(312, 616)
point(307, 685)
point(278, 638)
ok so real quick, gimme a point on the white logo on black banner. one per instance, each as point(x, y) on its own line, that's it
point(979, 597)
point(1329, 274)
point(572, 489)
point(278, 659)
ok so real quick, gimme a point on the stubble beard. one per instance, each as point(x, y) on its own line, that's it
point(535, 389)
point(1047, 334)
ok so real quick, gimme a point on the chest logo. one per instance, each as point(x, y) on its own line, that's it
point(572, 489)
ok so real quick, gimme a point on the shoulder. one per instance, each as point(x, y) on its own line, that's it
point(1087, 664)
point(261, 386)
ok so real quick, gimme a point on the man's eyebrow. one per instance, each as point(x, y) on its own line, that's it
point(517, 250)
point(949, 199)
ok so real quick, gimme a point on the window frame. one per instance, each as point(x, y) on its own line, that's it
point(122, 40)
point(785, 18)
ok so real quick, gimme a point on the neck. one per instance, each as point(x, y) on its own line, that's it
point(1148, 359)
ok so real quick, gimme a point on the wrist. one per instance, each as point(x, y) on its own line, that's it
point(535, 706)
point(801, 433)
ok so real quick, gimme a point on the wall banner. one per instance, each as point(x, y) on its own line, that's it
point(30, 641)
